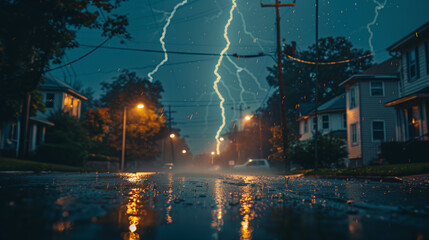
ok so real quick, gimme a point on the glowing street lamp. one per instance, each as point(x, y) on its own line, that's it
point(184, 151)
point(247, 117)
point(221, 139)
point(212, 153)
point(172, 136)
point(124, 126)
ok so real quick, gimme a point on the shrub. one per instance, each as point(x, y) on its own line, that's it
point(402, 152)
point(332, 150)
point(68, 154)
point(102, 158)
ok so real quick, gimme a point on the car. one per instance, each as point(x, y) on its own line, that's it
point(168, 166)
point(253, 165)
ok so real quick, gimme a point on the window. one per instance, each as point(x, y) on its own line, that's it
point(353, 134)
point(306, 125)
point(325, 122)
point(352, 98)
point(377, 88)
point(345, 120)
point(413, 64)
point(50, 97)
point(378, 131)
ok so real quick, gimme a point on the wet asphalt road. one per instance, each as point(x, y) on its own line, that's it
point(178, 206)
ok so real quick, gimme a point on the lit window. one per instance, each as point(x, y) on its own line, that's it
point(354, 134)
point(50, 97)
point(325, 122)
point(377, 88)
point(378, 130)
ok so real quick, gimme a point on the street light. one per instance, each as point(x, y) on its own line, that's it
point(221, 139)
point(124, 126)
point(172, 136)
point(248, 118)
point(212, 153)
point(184, 151)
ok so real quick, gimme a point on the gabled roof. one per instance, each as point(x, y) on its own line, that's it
point(411, 38)
point(336, 104)
point(54, 84)
point(387, 70)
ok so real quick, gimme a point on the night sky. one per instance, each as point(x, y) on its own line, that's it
point(198, 27)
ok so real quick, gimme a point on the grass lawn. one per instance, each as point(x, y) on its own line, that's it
point(384, 170)
point(13, 164)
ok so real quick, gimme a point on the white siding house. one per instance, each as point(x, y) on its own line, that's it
point(369, 122)
point(58, 96)
point(412, 104)
point(331, 117)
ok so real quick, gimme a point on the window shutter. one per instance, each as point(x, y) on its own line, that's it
point(408, 67)
point(417, 63)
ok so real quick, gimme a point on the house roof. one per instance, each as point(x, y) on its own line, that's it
point(336, 104)
point(387, 70)
point(411, 38)
point(41, 120)
point(423, 93)
point(54, 84)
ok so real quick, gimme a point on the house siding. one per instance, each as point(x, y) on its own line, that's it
point(373, 109)
point(409, 87)
point(335, 123)
point(353, 116)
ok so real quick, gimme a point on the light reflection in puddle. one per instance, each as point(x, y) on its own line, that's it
point(217, 213)
point(247, 214)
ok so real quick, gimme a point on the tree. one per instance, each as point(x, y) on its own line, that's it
point(35, 33)
point(144, 126)
point(299, 81)
point(67, 142)
point(332, 150)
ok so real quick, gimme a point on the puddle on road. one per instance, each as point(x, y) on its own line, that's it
point(166, 206)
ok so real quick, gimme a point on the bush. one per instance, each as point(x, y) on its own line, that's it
point(68, 154)
point(102, 158)
point(402, 152)
point(332, 150)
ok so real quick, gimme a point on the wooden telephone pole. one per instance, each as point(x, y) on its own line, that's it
point(280, 77)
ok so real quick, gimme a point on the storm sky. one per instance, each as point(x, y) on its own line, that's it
point(198, 27)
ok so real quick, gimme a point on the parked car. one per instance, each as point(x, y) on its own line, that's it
point(168, 166)
point(253, 165)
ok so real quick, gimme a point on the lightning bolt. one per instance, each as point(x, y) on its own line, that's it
point(368, 26)
point(161, 40)
point(218, 77)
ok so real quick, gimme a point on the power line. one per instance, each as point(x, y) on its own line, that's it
point(261, 54)
point(79, 58)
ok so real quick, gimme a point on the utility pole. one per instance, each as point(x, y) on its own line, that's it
point(316, 97)
point(25, 116)
point(170, 124)
point(280, 77)
point(124, 131)
point(240, 128)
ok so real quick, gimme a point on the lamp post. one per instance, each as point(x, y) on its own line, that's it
point(124, 129)
point(248, 118)
point(172, 136)
point(212, 153)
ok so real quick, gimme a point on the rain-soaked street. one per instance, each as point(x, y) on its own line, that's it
point(178, 206)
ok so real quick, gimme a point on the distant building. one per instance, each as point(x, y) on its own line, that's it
point(412, 104)
point(57, 96)
point(331, 117)
point(369, 122)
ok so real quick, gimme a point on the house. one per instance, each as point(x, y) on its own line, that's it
point(331, 117)
point(412, 104)
point(57, 96)
point(369, 122)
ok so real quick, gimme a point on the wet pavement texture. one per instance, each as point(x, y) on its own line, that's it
point(178, 206)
